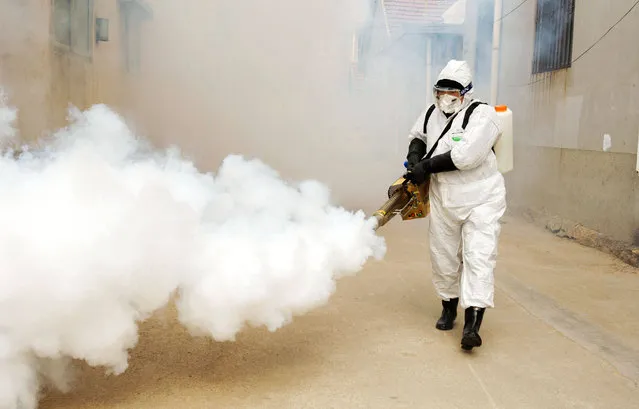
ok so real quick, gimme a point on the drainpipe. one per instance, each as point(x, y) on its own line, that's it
point(355, 50)
point(429, 68)
point(494, 78)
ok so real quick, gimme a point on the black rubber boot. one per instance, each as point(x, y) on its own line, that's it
point(449, 313)
point(473, 318)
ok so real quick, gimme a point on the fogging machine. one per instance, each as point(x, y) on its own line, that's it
point(406, 199)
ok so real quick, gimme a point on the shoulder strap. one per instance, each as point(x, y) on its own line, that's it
point(467, 115)
point(428, 114)
point(469, 112)
point(446, 129)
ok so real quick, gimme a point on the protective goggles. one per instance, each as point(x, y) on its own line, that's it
point(451, 89)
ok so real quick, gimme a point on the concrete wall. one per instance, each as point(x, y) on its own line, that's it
point(43, 78)
point(25, 68)
point(561, 119)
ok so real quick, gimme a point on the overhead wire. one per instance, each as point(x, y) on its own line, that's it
point(587, 50)
point(511, 11)
point(607, 32)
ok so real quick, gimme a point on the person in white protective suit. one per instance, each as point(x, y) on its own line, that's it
point(467, 196)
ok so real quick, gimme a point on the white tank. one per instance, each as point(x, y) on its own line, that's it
point(504, 146)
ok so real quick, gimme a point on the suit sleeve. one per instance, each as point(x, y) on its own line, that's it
point(417, 131)
point(480, 136)
point(417, 145)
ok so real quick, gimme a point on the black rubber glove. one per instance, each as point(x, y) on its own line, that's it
point(422, 170)
point(440, 163)
point(417, 174)
point(416, 151)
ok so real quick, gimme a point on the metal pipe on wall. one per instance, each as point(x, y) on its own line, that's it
point(494, 77)
point(429, 69)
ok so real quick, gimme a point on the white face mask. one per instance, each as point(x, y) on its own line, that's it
point(448, 103)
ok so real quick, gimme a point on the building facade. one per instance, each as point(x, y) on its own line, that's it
point(570, 72)
point(57, 53)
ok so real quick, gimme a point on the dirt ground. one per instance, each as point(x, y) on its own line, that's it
point(564, 334)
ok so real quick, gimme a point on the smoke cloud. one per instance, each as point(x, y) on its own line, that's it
point(272, 80)
point(8, 117)
point(99, 230)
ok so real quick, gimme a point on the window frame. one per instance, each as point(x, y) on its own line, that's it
point(72, 47)
point(558, 47)
point(132, 14)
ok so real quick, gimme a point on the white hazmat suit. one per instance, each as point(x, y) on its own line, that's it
point(466, 202)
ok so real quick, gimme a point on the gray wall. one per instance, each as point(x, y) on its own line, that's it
point(560, 120)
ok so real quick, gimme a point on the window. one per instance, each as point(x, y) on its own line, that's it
point(133, 13)
point(72, 25)
point(62, 21)
point(131, 42)
point(553, 35)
